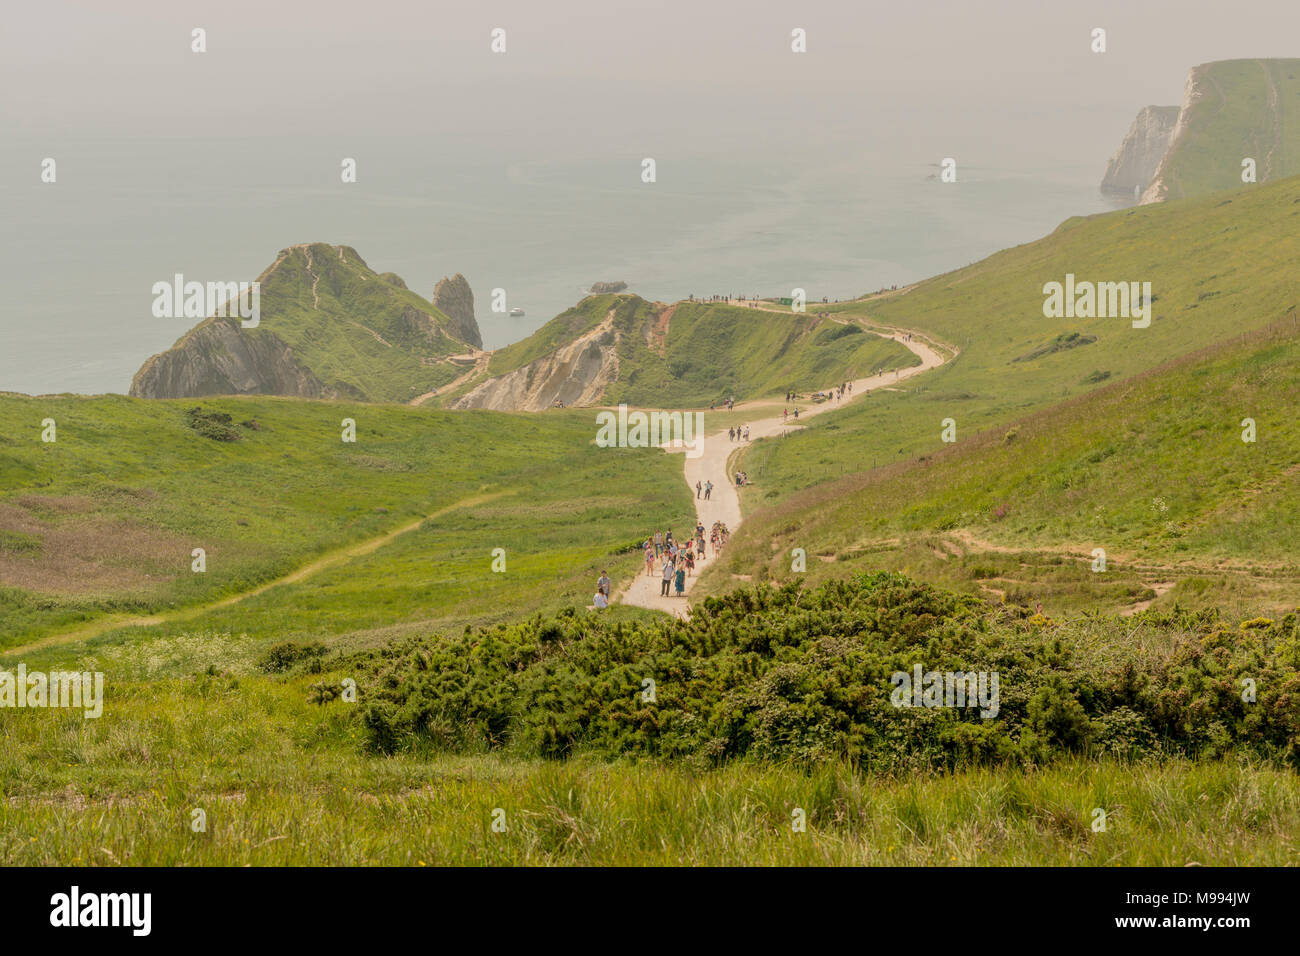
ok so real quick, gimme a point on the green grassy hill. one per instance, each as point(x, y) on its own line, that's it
point(692, 353)
point(1218, 267)
point(97, 528)
point(1153, 470)
point(1064, 442)
point(330, 327)
point(1236, 109)
point(330, 562)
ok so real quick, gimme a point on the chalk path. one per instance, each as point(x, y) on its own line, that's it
point(713, 465)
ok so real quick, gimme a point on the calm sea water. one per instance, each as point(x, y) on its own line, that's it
point(79, 257)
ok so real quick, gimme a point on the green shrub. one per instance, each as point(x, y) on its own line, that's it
point(283, 656)
point(804, 676)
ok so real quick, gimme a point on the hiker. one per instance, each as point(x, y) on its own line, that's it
point(699, 489)
point(667, 578)
point(602, 584)
point(600, 601)
point(649, 559)
point(731, 434)
point(690, 561)
point(746, 433)
point(708, 489)
point(796, 413)
point(668, 539)
point(659, 543)
point(785, 414)
point(680, 581)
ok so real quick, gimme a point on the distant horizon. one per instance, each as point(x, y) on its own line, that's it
point(520, 170)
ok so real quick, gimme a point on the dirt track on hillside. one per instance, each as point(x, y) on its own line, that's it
point(713, 465)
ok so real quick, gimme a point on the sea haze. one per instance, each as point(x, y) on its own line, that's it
point(128, 213)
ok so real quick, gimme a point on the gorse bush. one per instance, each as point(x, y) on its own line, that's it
point(283, 656)
point(219, 426)
point(805, 676)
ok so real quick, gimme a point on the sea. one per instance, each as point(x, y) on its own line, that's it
point(80, 255)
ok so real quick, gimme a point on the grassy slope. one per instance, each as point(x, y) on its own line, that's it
point(127, 795)
point(326, 336)
point(1153, 471)
point(104, 520)
point(712, 351)
point(1218, 267)
point(363, 334)
point(1252, 109)
point(285, 781)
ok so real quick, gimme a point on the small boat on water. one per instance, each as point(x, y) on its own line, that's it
point(516, 313)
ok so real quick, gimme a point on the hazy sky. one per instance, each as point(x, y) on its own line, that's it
point(608, 77)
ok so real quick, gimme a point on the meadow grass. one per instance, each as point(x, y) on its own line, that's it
point(290, 491)
point(1051, 461)
point(280, 784)
point(1153, 470)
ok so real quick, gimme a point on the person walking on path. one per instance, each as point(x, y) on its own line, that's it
point(659, 543)
point(681, 581)
point(649, 559)
point(667, 578)
point(699, 489)
point(708, 489)
point(746, 433)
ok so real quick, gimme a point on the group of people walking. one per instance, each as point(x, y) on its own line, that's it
point(677, 558)
point(735, 434)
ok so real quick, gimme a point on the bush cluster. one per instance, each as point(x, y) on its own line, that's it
point(805, 676)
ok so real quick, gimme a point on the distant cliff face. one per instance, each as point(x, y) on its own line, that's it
point(220, 358)
point(1233, 130)
point(577, 373)
point(330, 327)
point(454, 298)
point(1134, 165)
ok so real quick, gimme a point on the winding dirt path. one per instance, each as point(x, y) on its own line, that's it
point(481, 360)
point(328, 560)
point(715, 465)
